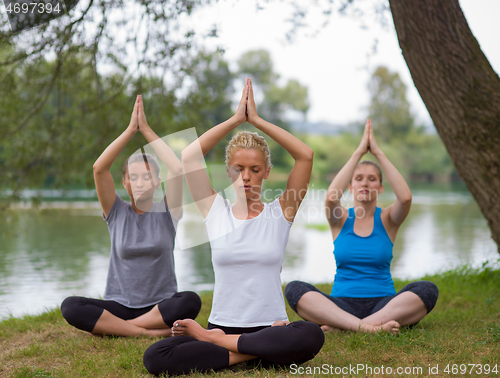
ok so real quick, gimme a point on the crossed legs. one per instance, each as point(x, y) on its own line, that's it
point(101, 317)
point(196, 349)
point(149, 324)
point(405, 308)
point(314, 307)
point(189, 327)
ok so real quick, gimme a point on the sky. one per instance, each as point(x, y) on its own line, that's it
point(334, 64)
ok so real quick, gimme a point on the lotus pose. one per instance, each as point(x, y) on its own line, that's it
point(248, 238)
point(141, 295)
point(363, 296)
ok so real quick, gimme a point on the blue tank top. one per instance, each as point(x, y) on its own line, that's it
point(363, 262)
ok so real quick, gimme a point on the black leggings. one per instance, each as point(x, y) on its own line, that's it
point(83, 313)
point(362, 307)
point(297, 342)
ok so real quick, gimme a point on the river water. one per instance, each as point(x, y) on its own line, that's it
point(62, 248)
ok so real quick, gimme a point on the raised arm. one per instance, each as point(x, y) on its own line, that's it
point(197, 179)
point(333, 208)
point(298, 180)
point(399, 210)
point(174, 182)
point(104, 184)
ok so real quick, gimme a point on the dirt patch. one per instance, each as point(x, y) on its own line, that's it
point(10, 361)
point(7, 347)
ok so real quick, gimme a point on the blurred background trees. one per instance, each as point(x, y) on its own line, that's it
point(68, 87)
point(55, 145)
point(416, 150)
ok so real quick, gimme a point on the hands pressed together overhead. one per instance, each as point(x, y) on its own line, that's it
point(247, 111)
point(138, 120)
point(368, 142)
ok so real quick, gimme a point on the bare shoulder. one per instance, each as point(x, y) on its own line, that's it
point(390, 227)
point(336, 227)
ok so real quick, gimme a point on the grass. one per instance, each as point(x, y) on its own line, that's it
point(464, 328)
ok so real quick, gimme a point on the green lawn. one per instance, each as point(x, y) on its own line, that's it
point(461, 333)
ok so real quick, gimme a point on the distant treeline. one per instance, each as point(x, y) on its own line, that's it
point(420, 157)
point(56, 118)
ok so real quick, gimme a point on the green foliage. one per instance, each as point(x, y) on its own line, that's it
point(293, 96)
point(278, 101)
point(150, 35)
point(418, 154)
point(330, 153)
point(56, 146)
point(415, 153)
point(59, 111)
point(426, 154)
point(259, 66)
point(210, 92)
point(389, 108)
point(209, 99)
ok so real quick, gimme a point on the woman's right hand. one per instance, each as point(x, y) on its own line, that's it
point(241, 113)
point(134, 119)
point(364, 145)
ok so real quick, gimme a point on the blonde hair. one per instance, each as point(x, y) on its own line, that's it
point(249, 141)
point(373, 164)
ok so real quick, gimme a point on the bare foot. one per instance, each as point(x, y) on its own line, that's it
point(391, 326)
point(161, 332)
point(326, 328)
point(188, 327)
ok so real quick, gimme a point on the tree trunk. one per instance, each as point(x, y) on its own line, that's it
point(460, 90)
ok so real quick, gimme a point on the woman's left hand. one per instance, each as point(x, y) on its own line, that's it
point(372, 143)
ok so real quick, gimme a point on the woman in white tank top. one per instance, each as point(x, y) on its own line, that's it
point(248, 239)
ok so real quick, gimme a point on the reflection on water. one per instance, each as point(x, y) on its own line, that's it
point(46, 255)
point(438, 237)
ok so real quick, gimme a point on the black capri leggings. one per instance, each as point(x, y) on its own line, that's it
point(363, 307)
point(297, 342)
point(83, 313)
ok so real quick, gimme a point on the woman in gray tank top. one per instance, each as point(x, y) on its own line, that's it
point(141, 295)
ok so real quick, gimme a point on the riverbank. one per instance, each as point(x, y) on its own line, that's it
point(460, 337)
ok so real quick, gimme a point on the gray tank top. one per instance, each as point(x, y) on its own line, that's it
point(141, 266)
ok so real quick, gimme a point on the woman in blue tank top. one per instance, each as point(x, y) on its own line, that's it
point(363, 297)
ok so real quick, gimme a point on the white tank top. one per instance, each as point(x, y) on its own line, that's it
point(247, 256)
